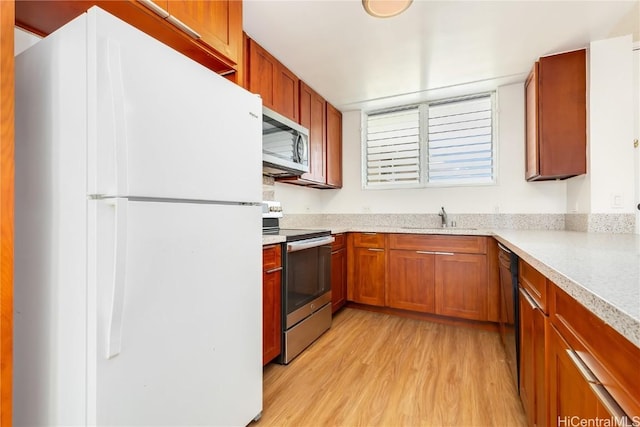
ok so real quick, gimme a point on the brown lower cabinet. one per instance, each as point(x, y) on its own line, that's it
point(271, 302)
point(461, 286)
point(574, 368)
point(413, 276)
point(368, 276)
point(533, 374)
point(366, 269)
point(338, 272)
point(435, 274)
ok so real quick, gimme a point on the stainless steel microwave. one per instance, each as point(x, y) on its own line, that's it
point(285, 146)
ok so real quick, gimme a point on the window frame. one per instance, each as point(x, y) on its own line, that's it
point(423, 145)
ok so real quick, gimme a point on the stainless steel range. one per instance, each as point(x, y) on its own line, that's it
point(306, 293)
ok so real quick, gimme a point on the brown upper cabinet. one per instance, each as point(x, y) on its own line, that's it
point(284, 93)
point(324, 122)
point(219, 23)
point(556, 117)
point(313, 116)
point(334, 147)
point(213, 36)
point(275, 83)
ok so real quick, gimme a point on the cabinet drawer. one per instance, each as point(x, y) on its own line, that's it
point(368, 240)
point(339, 242)
point(271, 257)
point(611, 357)
point(535, 284)
point(439, 243)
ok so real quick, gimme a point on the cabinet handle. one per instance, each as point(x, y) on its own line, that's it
point(154, 8)
point(528, 298)
point(598, 389)
point(376, 250)
point(426, 252)
point(579, 364)
point(273, 270)
point(445, 253)
point(501, 246)
point(611, 405)
point(184, 27)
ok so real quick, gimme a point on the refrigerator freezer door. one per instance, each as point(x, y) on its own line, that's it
point(190, 314)
point(166, 126)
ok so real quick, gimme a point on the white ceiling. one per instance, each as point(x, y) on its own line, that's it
point(433, 50)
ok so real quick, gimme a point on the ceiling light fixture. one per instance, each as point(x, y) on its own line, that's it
point(385, 8)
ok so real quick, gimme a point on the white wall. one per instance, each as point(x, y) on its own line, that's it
point(23, 40)
point(609, 185)
point(512, 194)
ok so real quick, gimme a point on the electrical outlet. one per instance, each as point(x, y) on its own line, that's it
point(617, 201)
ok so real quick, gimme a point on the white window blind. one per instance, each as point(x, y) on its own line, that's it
point(393, 147)
point(460, 143)
point(441, 143)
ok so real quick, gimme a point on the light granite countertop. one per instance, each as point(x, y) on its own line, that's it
point(272, 240)
point(599, 270)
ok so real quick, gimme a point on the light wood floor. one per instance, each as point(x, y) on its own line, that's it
point(373, 369)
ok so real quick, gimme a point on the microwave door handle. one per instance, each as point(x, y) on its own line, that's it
point(310, 243)
point(297, 146)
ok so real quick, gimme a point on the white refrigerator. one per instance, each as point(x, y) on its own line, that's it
point(138, 286)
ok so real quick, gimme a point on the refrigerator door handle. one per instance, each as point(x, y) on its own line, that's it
point(116, 87)
point(114, 333)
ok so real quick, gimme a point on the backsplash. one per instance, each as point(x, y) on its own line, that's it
point(480, 221)
point(593, 223)
point(268, 188)
point(601, 223)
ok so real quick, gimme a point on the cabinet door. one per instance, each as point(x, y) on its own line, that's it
point(411, 281)
point(219, 23)
point(369, 276)
point(531, 112)
point(271, 313)
point(313, 117)
point(574, 393)
point(461, 286)
point(334, 147)
point(533, 390)
point(286, 93)
point(263, 69)
point(338, 279)
point(556, 117)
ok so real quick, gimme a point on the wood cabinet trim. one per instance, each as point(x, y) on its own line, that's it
point(6, 208)
point(339, 242)
point(271, 257)
point(334, 147)
point(535, 283)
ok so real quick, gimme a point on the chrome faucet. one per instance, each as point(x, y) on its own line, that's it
point(443, 217)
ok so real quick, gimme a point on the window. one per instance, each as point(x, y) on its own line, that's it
point(440, 143)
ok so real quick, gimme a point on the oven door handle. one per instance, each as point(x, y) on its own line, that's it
point(309, 243)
